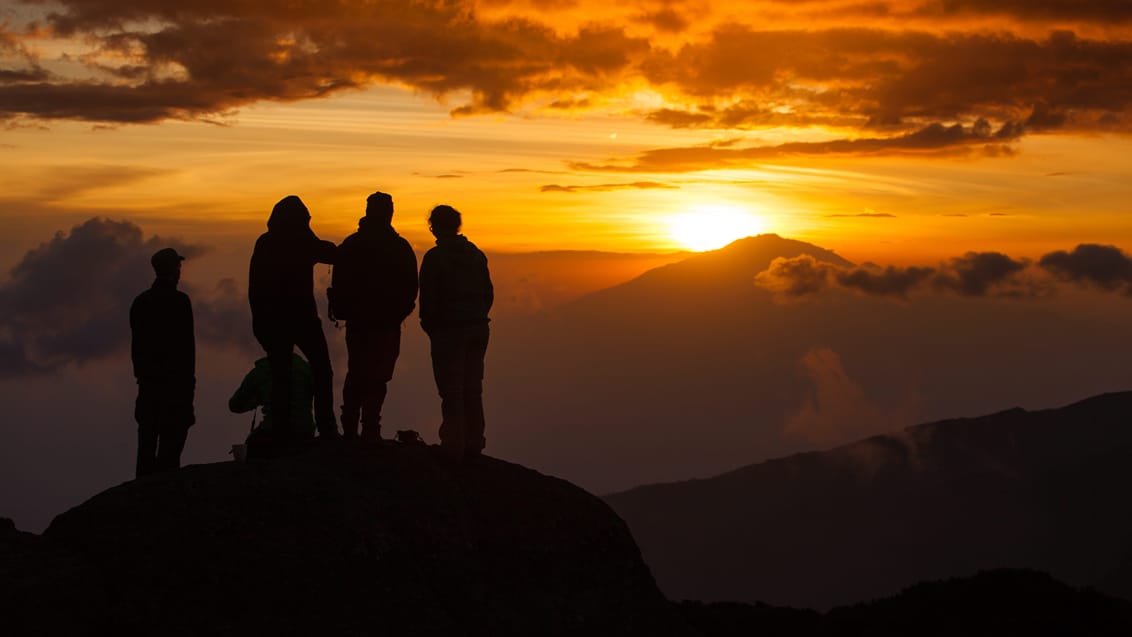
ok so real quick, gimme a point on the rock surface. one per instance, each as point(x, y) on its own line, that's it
point(363, 539)
point(44, 589)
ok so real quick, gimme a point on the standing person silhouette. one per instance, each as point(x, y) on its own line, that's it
point(374, 289)
point(163, 350)
point(456, 296)
point(284, 313)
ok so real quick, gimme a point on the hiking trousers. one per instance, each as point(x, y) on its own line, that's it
point(372, 355)
point(458, 367)
point(164, 413)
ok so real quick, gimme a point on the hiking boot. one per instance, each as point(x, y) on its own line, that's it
point(349, 423)
point(371, 434)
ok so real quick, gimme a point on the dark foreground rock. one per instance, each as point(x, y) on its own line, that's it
point(45, 589)
point(357, 539)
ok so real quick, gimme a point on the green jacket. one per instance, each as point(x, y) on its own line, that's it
point(256, 391)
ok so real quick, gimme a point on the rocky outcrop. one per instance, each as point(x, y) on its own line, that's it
point(45, 589)
point(363, 539)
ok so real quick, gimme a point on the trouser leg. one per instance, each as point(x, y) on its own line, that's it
point(170, 445)
point(352, 387)
point(384, 348)
point(474, 353)
point(448, 372)
point(147, 436)
point(280, 360)
point(312, 342)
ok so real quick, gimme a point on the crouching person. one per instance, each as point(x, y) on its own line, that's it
point(255, 391)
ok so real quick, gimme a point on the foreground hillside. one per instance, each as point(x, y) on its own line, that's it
point(351, 539)
point(1044, 490)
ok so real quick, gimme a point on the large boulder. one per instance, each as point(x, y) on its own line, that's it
point(363, 539)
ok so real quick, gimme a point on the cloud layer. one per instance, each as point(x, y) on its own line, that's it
point(975, 274)
point(67, 301)
point(897, 77)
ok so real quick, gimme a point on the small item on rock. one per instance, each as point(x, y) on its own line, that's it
point(409, 437)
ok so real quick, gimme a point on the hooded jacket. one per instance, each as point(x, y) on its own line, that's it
point(375, 277)
point(456, 286)
point(281, 275)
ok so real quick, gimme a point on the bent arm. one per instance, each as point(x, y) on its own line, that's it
point(247, 396)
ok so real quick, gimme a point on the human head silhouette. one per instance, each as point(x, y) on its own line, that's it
point(379, 207)
point(444, 221)
point(289, 215)
point(167, 264)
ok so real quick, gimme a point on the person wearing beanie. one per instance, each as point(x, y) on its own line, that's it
point(374, 288)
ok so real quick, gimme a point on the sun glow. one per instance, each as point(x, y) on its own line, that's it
point(712, 227)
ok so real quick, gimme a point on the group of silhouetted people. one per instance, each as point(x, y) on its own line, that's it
point(374, 288)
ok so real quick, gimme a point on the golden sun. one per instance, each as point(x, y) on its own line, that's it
point(711, 227)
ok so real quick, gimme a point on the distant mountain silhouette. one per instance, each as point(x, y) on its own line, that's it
point(354, 540)
point(990, 604)
point(691, 369)
point(1045, 489)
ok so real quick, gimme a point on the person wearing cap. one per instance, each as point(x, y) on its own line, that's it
point(284, 313)
point(374, 288)
point(163, 350)
point(456, 295)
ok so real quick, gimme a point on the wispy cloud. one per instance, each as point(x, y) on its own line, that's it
point(636, 185)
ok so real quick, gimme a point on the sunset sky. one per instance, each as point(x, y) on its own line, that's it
point(889, 131)
point(954, 142)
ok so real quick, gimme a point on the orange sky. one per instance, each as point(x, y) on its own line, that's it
point(898, 131)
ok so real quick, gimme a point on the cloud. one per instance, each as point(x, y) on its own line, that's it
point(868, 215)
point(1106, 267)
point(975, 274)
point(67, 301)
point(890, 281)
point(932, 140)
point(184, 59)
point(911, 70)
point(1100, 11)
point(839, 411)
point(636, 185)
point(796, 276)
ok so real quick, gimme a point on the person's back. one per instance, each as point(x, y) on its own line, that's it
point(284, 313)
point(374, 288)
point(456, 296)
point(255, 391)
point(162, 348)
point(281, 274)
point(375, 276)
point(456, 287)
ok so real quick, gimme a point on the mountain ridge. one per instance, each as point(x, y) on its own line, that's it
point(1011, 489)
